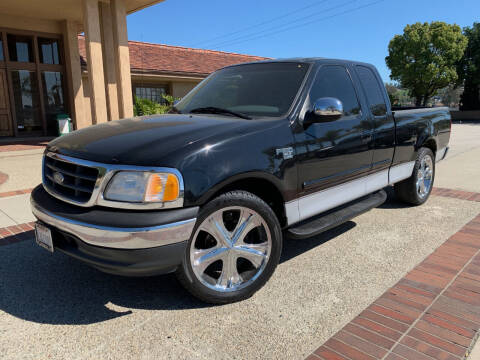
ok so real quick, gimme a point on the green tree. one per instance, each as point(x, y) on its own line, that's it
point(469, 69)
point(450, 95)
point(398, 96)
point(392, 93)
point(423, 59)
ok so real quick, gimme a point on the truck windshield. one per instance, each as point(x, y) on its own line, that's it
point(251, 90)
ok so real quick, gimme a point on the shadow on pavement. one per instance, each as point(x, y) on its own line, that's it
point(55, 289)
point(293, 248)
point(392, 202)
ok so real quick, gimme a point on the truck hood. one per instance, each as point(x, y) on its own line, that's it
point(144, 140)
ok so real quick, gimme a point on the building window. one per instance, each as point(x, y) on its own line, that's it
point(48, 50)
point(1, 49)
point(20, 48)
point(153, 93)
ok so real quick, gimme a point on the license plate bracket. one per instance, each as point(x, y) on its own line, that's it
point(43, 237)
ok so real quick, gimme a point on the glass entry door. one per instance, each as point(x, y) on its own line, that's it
point(34, 70)
point(27, 102)
point(6, 128)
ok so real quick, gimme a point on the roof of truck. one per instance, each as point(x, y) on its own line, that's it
point(307, 60)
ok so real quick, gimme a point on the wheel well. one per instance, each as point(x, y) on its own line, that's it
point(431, 144)
point(262, 188)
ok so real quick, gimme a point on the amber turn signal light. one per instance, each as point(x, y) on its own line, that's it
point(162, 187)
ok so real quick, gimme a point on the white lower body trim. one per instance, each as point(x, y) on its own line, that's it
point(440, 155)
point(400, 172)
point(313, 204)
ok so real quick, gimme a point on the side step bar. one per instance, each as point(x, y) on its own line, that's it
point(337, 216)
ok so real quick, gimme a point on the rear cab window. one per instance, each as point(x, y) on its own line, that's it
point(372, 90)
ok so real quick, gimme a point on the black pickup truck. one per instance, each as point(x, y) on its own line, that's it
point(254, 152)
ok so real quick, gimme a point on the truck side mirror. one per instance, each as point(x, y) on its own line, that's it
point(325, 109)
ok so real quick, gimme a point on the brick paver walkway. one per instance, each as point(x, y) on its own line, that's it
point(432, 312)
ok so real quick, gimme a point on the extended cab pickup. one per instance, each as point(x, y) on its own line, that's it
point(254, 152)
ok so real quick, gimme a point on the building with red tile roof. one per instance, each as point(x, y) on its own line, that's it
point(175, 70)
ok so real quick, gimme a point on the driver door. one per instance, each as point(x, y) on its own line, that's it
point(335, 152)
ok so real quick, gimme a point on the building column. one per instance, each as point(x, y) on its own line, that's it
point(122, 58)
point(109, 64)
point(93, 44)
point(74, 75)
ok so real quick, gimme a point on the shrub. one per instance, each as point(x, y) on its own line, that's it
point(148, 107)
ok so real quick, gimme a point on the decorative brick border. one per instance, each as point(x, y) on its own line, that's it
point(457, 194)
point(3, 178)
point(16, 233)
point(17, 145)
point(15, 192)
point(433, 312)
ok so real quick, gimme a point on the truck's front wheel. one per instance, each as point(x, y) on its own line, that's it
point(417, 188)
point(234, 249)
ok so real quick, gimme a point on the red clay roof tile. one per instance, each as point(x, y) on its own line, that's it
point(159, 58)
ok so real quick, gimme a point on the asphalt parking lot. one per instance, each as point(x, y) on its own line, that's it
point(53, 307)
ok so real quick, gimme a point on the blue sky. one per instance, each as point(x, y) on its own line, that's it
point(346, 29)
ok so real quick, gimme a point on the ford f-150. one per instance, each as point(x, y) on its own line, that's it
point(254, 152)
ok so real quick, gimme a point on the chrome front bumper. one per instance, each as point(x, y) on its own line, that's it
point(117, 237)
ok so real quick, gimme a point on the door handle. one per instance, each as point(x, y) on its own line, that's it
point(366, 137)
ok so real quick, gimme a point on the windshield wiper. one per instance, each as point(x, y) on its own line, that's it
point(217, 110)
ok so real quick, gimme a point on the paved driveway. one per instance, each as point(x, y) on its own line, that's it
point(52, 307)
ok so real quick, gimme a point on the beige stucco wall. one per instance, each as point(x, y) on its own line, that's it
point(30, 24)
point(59, 9)
point(180, 89)
point(86, 98)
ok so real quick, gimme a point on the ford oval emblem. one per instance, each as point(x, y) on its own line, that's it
point(58, 177)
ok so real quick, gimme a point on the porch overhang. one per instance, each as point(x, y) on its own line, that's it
point(61, 9)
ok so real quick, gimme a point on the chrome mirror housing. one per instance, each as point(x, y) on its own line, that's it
point(327, 109)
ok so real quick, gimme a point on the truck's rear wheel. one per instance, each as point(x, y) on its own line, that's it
point(417, 188)
point(234, 249)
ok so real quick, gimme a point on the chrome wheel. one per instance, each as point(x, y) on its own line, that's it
point(424, 176)
point(230, 249)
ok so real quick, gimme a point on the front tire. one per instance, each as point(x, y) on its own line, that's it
point(234, 249)
point(416, 189)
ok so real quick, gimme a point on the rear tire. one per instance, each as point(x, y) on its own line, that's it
point(416, 189)
point(234, 249)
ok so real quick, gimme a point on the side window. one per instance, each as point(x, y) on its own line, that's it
point(334, 81)
point(372, 90)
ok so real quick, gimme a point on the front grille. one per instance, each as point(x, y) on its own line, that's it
point(69, 180)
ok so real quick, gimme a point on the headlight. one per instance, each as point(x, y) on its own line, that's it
point(143, 187)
